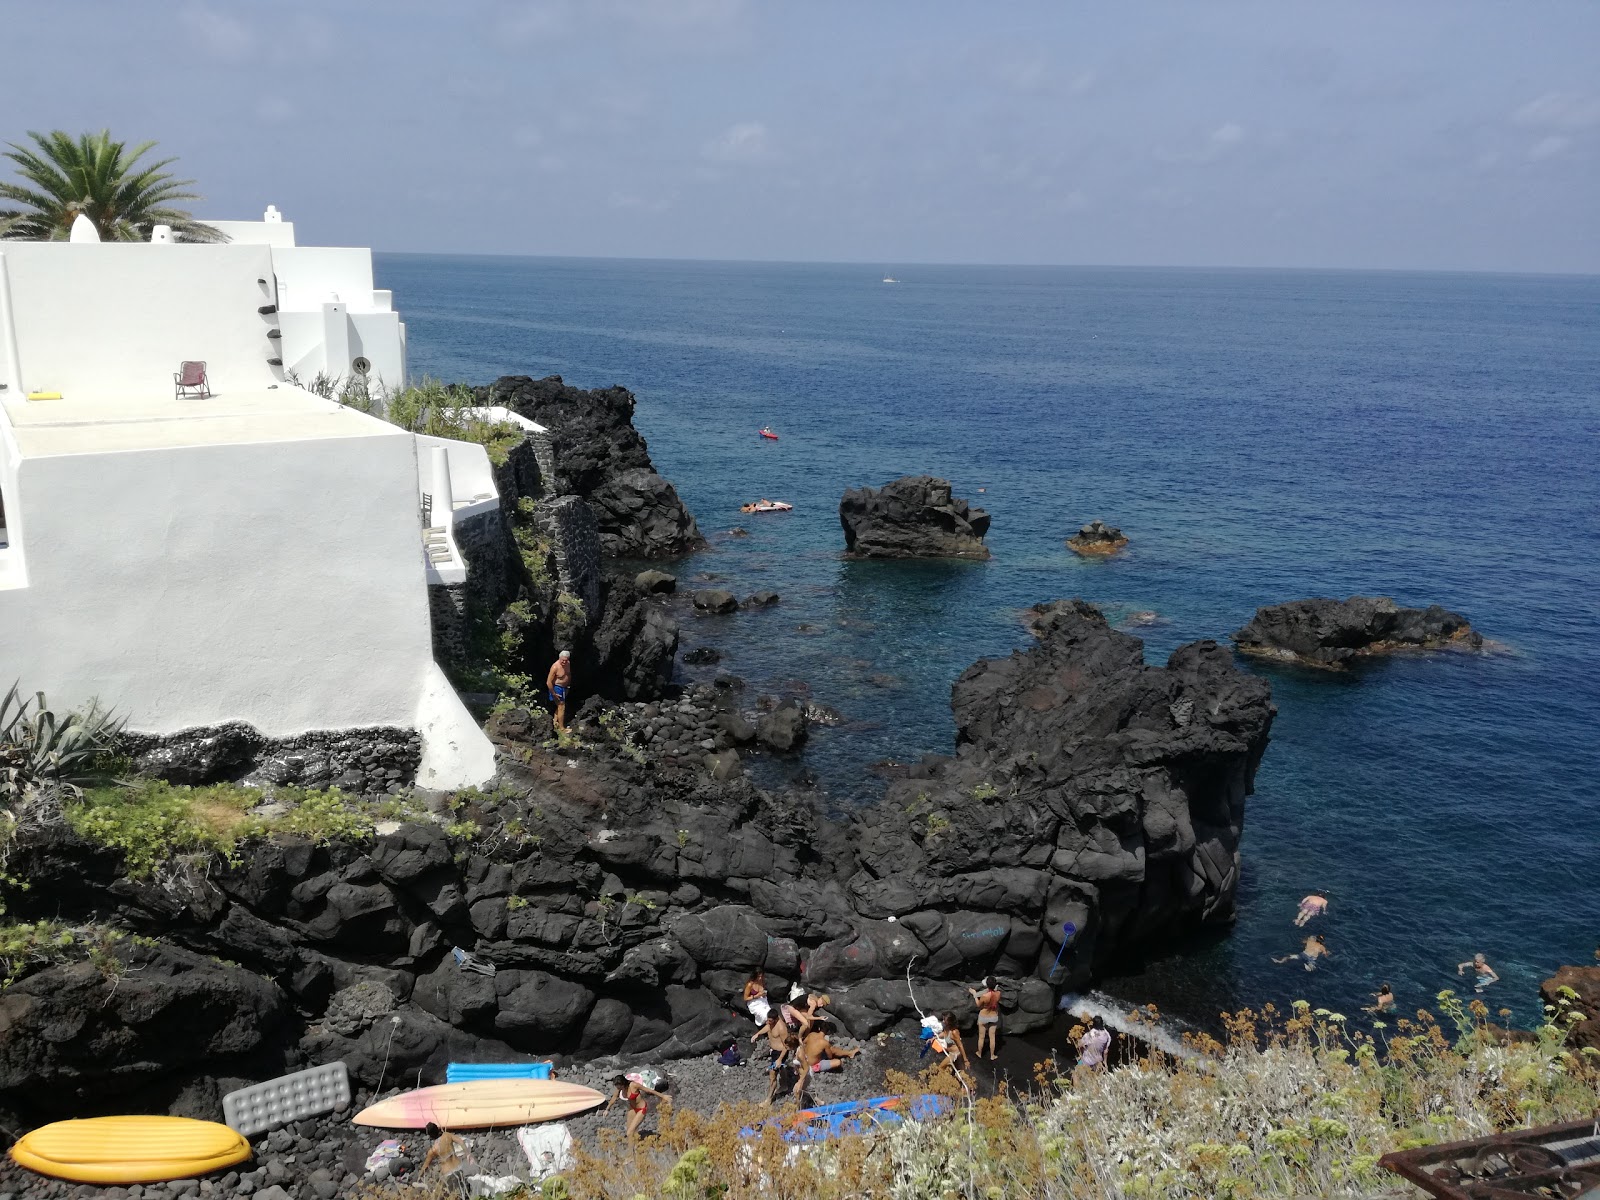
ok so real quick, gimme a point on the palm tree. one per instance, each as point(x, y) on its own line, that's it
point(61, 177)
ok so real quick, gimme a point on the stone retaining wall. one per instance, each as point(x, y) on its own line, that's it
point(366, 761)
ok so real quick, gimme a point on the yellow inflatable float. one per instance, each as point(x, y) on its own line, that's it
point(119, 1150)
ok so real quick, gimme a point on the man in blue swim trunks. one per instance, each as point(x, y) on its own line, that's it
point(558, 681)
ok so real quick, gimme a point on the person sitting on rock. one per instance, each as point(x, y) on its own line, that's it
point(803, 1018)
point(632, 1092)
point(818, 1053)
point(988, 1002)
point(1481, 970)
point(1313, 905)
point(451, 1155)
point(755, 996)
point(947, 1041)
point(1314, 949)
point(558, 681)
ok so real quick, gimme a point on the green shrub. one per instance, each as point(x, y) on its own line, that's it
point(153, 822)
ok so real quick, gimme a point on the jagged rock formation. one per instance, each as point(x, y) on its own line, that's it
point(1331, 633)
point(634, 646)
point(623, 899)
point(912, 517)
point(599, 455)
point(1097, 538)
point(1087, 788)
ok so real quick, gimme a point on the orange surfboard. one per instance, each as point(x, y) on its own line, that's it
point(125, 1150)
point(481, 1103)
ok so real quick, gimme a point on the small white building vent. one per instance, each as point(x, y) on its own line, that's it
point(83, 230)
point(272, 216)
point(162, 234)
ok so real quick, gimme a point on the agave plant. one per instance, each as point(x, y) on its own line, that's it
point(40, 751)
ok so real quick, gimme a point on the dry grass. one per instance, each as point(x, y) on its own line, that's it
point(1291, 1104)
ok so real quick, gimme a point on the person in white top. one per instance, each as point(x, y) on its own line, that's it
point(1093, 1045)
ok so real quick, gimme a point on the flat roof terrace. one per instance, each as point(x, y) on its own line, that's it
point(93, 425)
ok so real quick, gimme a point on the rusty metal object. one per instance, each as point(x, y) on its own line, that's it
point(1553, 1162)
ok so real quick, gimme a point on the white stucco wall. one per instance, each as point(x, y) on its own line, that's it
point(255, 233)
point(116, 319)
point(279, 584)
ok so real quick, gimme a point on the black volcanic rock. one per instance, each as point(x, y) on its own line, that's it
point(620, 887)
point(1097, 538)
point(635, 644)
point(912, 517)
point(715, 600)
point(1330, 633)
point(599, 455)
point(1088, 788)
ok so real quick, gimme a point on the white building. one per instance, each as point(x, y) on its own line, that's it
point(334, 322)
point(255, 556)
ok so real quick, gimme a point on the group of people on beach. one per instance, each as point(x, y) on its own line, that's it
point(1315, 949)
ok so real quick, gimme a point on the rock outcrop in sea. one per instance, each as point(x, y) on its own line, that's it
point(1332, 633)
point(914, 516)
point(599, 455)
point(622, 889)
point(1577, 990)
point(1097, 538)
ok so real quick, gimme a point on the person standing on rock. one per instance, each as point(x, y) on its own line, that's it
point(988, 1002)
point(632, 1093)
point(558, 681)
point(452, 1156)
point(1093, 1046)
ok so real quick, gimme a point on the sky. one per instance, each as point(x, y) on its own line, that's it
point(1433, 134)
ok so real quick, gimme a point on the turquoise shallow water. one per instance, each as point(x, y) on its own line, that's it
point(1261, 436)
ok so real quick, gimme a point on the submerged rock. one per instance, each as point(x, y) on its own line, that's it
point(1330, 633)
point(912, 517)
point(715, 600)
point(1097, 538)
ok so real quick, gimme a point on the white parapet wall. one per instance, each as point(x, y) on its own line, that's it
point(252, 556)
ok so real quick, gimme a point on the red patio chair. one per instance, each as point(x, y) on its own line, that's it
point(190, 380)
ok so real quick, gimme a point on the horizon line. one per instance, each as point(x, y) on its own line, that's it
point(1096, 266)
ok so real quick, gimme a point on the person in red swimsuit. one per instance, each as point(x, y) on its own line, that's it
point(632, 1093)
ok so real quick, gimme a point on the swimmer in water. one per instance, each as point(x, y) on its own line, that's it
point(1314, 949)
point(1481, 970)
point(1312, 906)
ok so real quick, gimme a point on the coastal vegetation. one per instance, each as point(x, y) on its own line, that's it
point(429, 407)
point(60, 177)
point(1285, 1104)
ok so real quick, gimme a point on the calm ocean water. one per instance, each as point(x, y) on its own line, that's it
point(1261, 436)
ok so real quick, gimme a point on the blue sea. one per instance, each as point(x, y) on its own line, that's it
point(1261, 436)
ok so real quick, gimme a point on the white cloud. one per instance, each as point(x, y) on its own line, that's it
point(1218, 142)
point(1560, 110)
point(274, 109)
point(220, 33)
point(1548, 147)
point(746, 141)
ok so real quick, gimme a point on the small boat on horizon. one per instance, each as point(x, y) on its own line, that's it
point(890, 279)
point(767, 433)
point(765, 506)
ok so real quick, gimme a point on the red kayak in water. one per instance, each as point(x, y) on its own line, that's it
point(767, 433)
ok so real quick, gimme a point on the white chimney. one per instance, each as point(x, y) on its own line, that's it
point(162, 234)
point(83, 230)
point(272, 216)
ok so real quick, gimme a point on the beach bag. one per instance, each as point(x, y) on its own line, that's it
point(648, 1076)
point(548, 1147)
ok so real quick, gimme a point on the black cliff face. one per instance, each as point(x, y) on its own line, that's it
point(621, 896)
